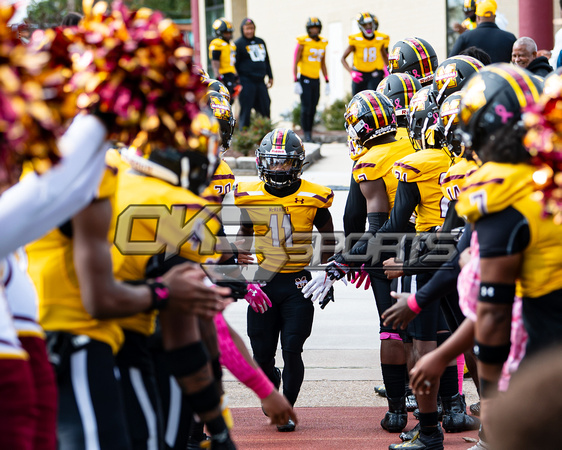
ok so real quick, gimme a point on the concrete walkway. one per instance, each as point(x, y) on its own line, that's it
point(342, 354)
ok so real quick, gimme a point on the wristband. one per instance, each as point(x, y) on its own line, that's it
point(160, 294)
point(496, 293)
point(413, 304)
point(491, 354)
point(326, 79)
point(296, 79)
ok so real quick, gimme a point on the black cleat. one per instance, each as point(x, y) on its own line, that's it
point(409, 435)
point(396, 418)
point(289, 426)
point(455, 418)
point(422, 441)
point(475, 409)
point(381, 390)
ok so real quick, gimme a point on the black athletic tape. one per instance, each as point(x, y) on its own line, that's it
point(204, 400)
point(491, 354)
point(185, 361)
point(488, 389)
point(496, 293)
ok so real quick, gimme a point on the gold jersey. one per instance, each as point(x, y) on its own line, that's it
point(221, 184)
point(495, 187)
point(469, 24)
point(379, 161)
point(51, 267)
point(402, 133)
point(367, 53)
point(228, 55)
point(135, 193)
point(426, 168)
point(312, 53)
point(456, 176)
point(282, 225)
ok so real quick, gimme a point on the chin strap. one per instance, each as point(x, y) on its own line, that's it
point(152, 169)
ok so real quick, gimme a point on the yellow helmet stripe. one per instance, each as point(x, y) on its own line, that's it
point(466, 60)
point(428, 59)
point(381, 109)
point(516, 84)
point(364, 97)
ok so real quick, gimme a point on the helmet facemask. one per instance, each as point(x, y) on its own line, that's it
point(279, 171)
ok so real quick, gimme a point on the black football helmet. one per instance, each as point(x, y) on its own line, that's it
point(492, 100)
point(469, 6)
point(415, 57)
point(399, 88)
point(313, 22)
point(192, 168)
point(369, 115)
point(217, 86)
point(280, 158)
point(221, 26)
point(448, 122)
point(368, 24)
point(222, 111)
point(452, 74)
point(423, 114)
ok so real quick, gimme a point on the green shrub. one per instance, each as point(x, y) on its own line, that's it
point(247, 140)
point(332, 116)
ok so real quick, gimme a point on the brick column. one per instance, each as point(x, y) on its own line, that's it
point(535, 21)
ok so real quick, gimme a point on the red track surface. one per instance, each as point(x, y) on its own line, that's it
point(326, 428)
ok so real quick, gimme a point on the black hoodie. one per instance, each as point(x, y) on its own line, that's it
point(252, 59)
point(540, 66)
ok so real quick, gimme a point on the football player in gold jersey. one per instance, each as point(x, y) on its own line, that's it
point(370, 54)
point(280, 211)
point(222, 53)
point(371, 126)
point(310, 57)
point(469, 23)
point(76, 307)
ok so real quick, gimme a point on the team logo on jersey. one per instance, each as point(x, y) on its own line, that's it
point(446, 75)
point(299, 200)
point(300, 282)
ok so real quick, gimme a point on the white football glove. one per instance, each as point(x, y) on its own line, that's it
point(319, 286)
point(298, 88)
point(327, 89)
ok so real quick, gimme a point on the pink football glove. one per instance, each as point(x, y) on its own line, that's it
point(357, 77)
point(385, 71)
point(361, 276)
point(258, 300)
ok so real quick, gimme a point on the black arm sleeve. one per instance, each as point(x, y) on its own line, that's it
point(503, 233)
point(452, 219)
point(216, 55)
point(355, 213)
point(407, 198)
point(376, 221)
point(321, 218)
point(444, 281)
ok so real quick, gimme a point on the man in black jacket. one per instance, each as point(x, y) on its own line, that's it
point(252, 65)
point(524, 54)
point(487, 35)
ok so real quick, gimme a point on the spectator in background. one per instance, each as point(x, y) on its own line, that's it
point(487, 35)
point(222, 54)
point(370, 54)
point(310, 57)
point(477, 53)
point(252, 65)
point(524, 54)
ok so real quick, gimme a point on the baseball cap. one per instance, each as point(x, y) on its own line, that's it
point(486, 8)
